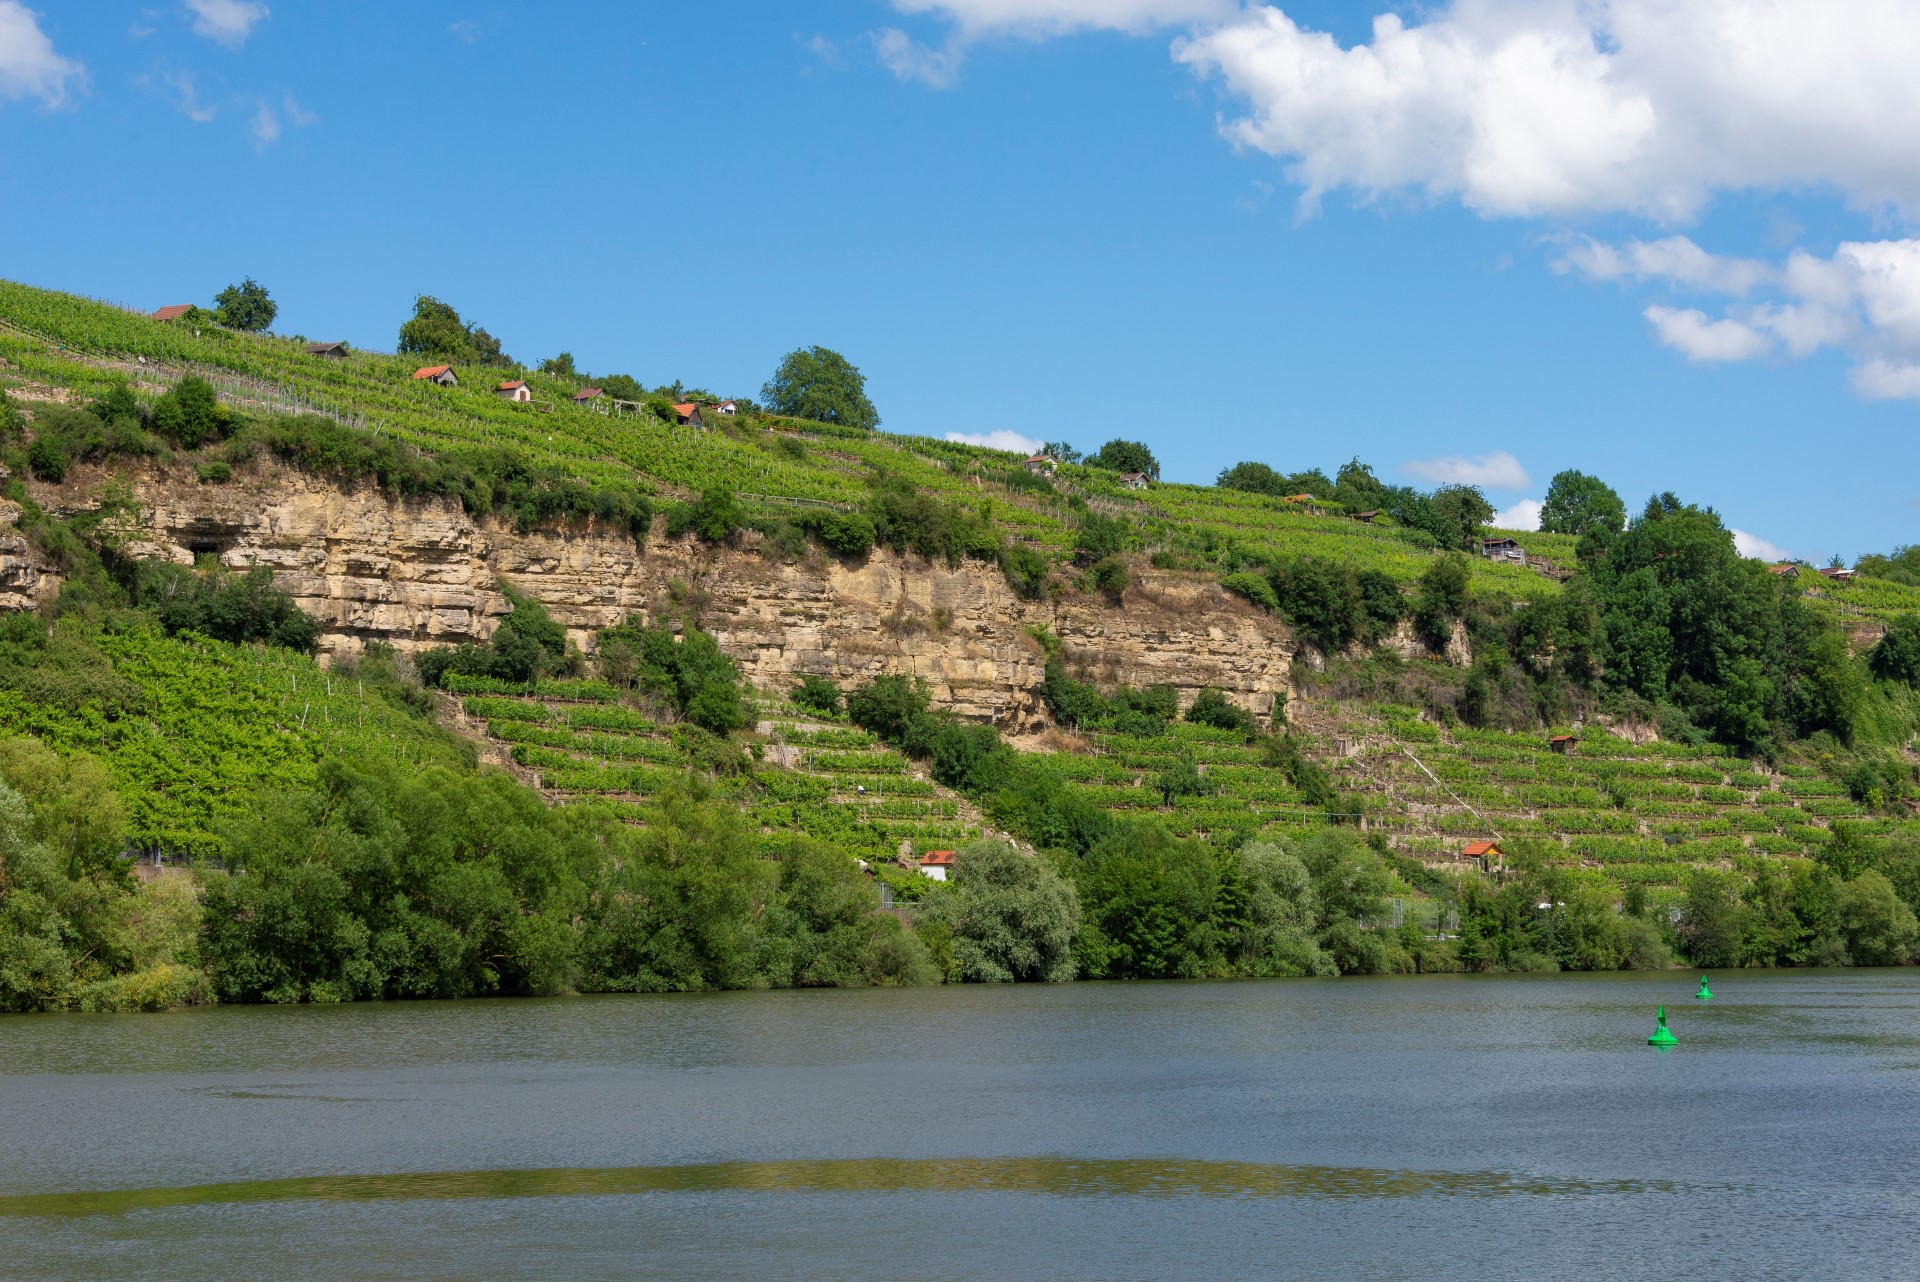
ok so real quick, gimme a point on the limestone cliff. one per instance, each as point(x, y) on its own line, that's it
point(423, 572)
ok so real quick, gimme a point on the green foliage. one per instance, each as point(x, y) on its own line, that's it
point(1111, 578)
point(1126, 456)
point(1100, 536)
point(1010, 916)
point(1146, 900)
point(228, 607)
point(527, 645)
point(1254, 587)
point(1902, 566)
point(1025, 569)
point(905, 519)
point(1442, 599)
point(1896, 656)
point(820, 384)
point(818, 695)
point(1577, 503)
point(1080, 706)
point(436, 331)
point(890, 706)
point(246, 306)
point(713, 518)
point(561, 366)
point(684, 668)
point(1181, 778)
point(1212, 708)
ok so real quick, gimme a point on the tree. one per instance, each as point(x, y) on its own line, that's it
point(245, 306)
point(1577, 503)
point(562, 366)
point(1442, 599)
point(1880, 929)
point(1012, 917)
point(1459, 511)
point(820, 384)
point(1126, 456)
point(1896, 656)
point(1253, 478)
point(436, 330)
point(1060, 452)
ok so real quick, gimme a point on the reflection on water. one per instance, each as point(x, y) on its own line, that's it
point(1059, 1177)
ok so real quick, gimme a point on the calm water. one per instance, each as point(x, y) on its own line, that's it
point(1400, 1128)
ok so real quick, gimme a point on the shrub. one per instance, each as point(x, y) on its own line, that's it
point(1254, 587)
point(1212, 708)
point(47, 460)
point(890, 706)
point(818, 695)
point(214, 472)
point(1011, 917)
point(1896, 656)
point(226, 606)
point(848, 534)
point(1111, 578)
point(1025, 569)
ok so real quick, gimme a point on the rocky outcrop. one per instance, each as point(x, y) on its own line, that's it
point(423, 572)
point(23, 581)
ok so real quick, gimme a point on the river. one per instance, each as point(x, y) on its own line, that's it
point(1484, 1127)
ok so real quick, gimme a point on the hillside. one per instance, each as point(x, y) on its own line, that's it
point(1199, 665)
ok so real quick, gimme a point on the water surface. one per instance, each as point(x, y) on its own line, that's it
point(1512, 1127)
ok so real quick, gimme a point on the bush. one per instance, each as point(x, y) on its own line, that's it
point(222, 605)
point(47, 460)
point(1111, 578)
point(714, 517)
point(527, 645)
point(215, 472)
point(1896, 656)
point(1011, 917)
point(1025, 570)
point(890, 706)
point(1212, 708)
point(818, 695)
point(847, 534)
point(1254, 587)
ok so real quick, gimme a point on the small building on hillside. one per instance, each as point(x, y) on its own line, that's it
point(1487, 854)
point(936, 864)
point(727, 407)
point(1503, 549)
point(586, 396)
point(514, 389)
point(174, 312)
point(688, 413)
point(1784, 571)
point(1041, 464)
point(1366, 517)
point(441, 374)
point(1133, 480)
point(331, 351)
point(1837, 574)
point(1562, 742)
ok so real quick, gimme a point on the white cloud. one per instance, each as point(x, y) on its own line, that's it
point(1676, 260)
point(29, 66)
point(1864, 300)
point(1039, 18)
point(1496, 471)
point(908, 59)
point(227, 22)
point(187, 97)
point(1755, 546)
point(301, 119)
point(1519, 107)
point(265, 127)
point(1524, 515)
point(1012, 442)
point(464, 31)
point(1688, 331)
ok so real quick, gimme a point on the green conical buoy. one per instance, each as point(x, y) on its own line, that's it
point(1662, 1035)
point(1705, 994)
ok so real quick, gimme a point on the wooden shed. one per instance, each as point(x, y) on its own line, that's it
point(441, 374)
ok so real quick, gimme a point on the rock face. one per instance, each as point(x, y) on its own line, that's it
point(22, 581)
point(420, 573)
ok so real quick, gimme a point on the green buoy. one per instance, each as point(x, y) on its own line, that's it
point(1662, 1035)
point(1705, 994)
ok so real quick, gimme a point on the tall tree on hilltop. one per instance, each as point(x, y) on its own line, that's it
point(820, 384)
point(1126, 456)
point(436, 330)
point(245, 306)
point(1577, 503)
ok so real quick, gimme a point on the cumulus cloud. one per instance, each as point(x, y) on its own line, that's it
point(1754, 546)
point(227, 22)
point(301, 119)
point(1496, 471)
point(1517, 107)
point(1688, 331)
point(29, 66)
point(1012, 442)
point(1524, 515)
point(1864, 300)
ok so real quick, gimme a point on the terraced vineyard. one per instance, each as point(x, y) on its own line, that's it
point(577, 741)
point(52, 339)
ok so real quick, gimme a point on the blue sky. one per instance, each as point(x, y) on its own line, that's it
point(1660, 251)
